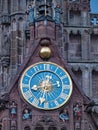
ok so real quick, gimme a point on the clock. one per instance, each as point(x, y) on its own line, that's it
point(46, 85)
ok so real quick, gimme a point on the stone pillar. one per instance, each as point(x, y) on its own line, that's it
point(64, 9)
point(65, 44)
point(90, 81)
point(85, 45)
point(19, 116)
point(87, 80)
point(1, 77)
point(5, 6)
point(0, 40)
point(14, 6)
point(14, 46)
point(84, 19)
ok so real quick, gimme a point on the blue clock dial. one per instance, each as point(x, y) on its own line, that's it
point(46, 85)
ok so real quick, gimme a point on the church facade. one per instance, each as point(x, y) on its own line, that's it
point(48, 65)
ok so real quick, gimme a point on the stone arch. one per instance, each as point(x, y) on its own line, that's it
point(27, 128)
point(52, 127)
point(39, 127)
point(74, 47)
point(64, 128)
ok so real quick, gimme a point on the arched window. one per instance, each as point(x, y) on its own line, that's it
point(52, 128)
point(39, 127)
point(63, 128)
point(27, 128)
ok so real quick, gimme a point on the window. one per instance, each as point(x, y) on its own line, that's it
point(27, 128)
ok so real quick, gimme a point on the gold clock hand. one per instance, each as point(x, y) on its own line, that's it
point(57, 83)
point(42, 99)
point(35, 87)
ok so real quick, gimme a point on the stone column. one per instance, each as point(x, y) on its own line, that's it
point(84, 19)
point(85, 45)
point(1, 40)
point(14, 5)
point(90, 81)
point(5, 6)
point(19, 116)
point(87, 80)
point(14, 47)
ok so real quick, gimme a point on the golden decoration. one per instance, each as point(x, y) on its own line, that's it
point(45, 52)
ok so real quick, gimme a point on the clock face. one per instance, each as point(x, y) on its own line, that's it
point(46, 85)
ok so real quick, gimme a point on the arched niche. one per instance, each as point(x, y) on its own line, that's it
point(74, 47)
point(52, 128)
point(63, 128)
point(27, 128)
point(95, 84)
point(39, 127)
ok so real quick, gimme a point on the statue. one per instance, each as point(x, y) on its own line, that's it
point(92, 109)
point(13, 110)
point(64, 115)
point(30, 11)
point(27, 114)
point(77, 111)
point(58, 13)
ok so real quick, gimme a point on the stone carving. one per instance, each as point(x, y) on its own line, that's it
point(58, 13)
point(30, 12)
point(13, 109)
point(64, 115)
point(92, 109)
point(77, 111)
point(6, 45)
point(27, 114)
point(4, 99)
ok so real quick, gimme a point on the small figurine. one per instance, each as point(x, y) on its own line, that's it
point(64, 116)
point(77, 111)
point(30, 11)
point(58, 13)
point(27, 114)
point(13, 110)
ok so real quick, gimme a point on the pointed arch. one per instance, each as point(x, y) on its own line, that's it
point(39, 127)
point(63, 128)
point(52, 128)
point(27, 128)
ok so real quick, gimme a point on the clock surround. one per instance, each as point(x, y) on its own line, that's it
point(46, 85)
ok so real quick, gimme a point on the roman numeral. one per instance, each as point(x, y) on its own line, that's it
point(25, 85)
point(63, 96)
point(46, 105)
point(35, 102)
point(36, 68)
point(56, 102)
point(63, 77)
point(27, 94)
point(46, 66)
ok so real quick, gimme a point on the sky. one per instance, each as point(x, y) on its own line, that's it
point(94, 6)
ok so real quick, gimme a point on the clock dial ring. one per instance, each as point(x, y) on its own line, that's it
point(46, 85)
